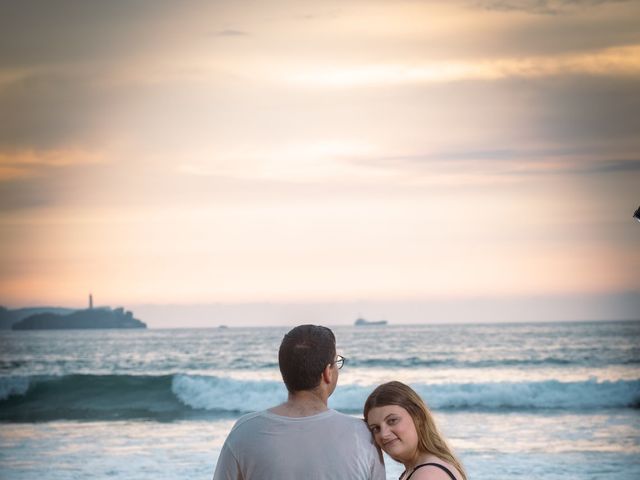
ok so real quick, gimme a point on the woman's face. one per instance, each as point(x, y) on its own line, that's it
point(394, 432)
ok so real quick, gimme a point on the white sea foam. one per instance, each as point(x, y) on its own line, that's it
point(225, 394)
point(547, 394)
point(511, 395)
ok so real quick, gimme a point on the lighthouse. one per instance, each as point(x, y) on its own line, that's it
point(90, 301)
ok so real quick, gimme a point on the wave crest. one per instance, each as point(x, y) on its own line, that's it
point(181, 395)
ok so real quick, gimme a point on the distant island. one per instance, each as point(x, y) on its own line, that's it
point(91, 318)
point(59, 318)
point(361, 322)
point(8, 318)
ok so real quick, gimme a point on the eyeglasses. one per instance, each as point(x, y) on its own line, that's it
point(339, 361)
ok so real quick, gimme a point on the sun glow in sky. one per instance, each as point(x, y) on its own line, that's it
point(215, 152)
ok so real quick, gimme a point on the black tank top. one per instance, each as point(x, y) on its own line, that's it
point(433, 465)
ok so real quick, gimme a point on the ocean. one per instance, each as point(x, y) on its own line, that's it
point(516, 401)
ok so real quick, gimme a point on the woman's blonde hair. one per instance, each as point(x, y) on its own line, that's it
point(429, 438)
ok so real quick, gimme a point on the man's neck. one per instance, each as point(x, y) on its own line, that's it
point(302, 404)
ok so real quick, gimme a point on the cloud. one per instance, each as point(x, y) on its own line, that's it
point(542, 7)
point(230, 33)
point(614, 166)
point(31, 163)
point(35, 179)
point(20, 194)
point(588, 110)
point(608, 62)
point(50, 109)
point(109, 183)
point(499, 166)
point(39, 32)
point(570, 169)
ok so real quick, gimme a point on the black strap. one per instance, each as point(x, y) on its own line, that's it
point(431, 465)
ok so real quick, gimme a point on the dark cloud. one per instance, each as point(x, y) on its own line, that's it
point(50, 110)
point(516, 162)
point(546, 34)
point(574, 124)
point(614, 166)
point(20, 194)
point(567, 114)
point(62, 55)
point(585, 167)
point(542, 7)
point(586, 109)
point(44, 32)
point(231, 33)
point(47, 186)
point(555, 117)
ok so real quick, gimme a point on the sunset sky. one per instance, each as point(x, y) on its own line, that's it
point(232, 152)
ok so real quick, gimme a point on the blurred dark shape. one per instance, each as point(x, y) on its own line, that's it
point(637, 214)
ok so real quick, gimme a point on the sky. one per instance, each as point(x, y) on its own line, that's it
point(400, 154)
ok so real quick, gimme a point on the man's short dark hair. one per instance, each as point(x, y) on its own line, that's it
point(304, 353)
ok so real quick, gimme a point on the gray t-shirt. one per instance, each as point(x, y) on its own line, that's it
point(326, 446)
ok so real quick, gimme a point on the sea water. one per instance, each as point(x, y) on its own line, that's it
point(516, 401)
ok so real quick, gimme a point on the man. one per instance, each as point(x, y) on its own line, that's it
point(302, 438)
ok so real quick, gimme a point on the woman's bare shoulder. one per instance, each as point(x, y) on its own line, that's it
point(430, 472)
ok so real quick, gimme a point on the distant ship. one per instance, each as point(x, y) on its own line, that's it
point(361, 322)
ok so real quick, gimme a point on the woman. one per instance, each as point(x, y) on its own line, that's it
point(404, 428)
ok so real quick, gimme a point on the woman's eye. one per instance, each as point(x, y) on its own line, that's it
point(392, 421)
point(374, 429)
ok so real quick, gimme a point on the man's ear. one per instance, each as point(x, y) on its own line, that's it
point(328, 373)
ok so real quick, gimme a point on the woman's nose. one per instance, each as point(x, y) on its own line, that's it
point(385, 432)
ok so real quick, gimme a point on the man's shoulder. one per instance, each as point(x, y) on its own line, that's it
point(343, 421)
point(343, 417)
point(352, 424)
point(246, 419)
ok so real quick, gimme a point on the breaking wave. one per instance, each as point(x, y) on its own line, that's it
point(95, 397)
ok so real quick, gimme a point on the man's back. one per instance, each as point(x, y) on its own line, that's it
point(326, 446)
